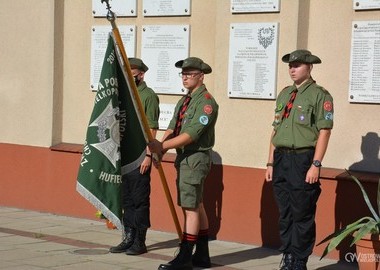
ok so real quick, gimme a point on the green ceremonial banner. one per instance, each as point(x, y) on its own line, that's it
point(115, 142)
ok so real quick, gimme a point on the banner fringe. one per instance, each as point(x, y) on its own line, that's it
point(100, 206)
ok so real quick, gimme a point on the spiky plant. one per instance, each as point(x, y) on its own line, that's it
point(361, 227)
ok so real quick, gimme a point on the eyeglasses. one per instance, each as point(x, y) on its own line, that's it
point(189, 75)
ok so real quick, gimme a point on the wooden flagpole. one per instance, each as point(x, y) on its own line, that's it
point(111, 18)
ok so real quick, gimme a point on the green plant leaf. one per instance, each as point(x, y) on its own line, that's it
point(362, 226)
point(368, 228)
point(378, 198)
point(340, 231)
point(365, 196)
point(340, 235)
point(339, 238)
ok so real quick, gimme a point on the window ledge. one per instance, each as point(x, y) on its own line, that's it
point(78, 148)
point(326, 173)
point(342, 175)
point(68, 147)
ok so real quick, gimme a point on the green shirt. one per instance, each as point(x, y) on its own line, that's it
point(312, 111)
point(199, 120)
point(150, 102)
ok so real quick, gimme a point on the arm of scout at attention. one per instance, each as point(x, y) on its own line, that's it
point(146, 162)
point(320, 150)
point(269, 171)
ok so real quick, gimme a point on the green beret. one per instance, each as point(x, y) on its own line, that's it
point(194, 62)
point(137, 63)
point(301, 56)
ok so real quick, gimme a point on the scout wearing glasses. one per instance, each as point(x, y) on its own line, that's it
point(192, 133)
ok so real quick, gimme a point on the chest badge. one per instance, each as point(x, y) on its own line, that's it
point(277, 118)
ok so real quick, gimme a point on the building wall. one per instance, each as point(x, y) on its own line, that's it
point(26, 71)
point(45, 72)
point(239, 203)
point(46, 99)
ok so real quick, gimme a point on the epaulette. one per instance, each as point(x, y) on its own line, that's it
point(207, 95)
point(322, 89)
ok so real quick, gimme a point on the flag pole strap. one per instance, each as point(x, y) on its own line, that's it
point(111, 18)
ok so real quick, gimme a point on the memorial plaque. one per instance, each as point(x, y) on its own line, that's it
point(365, 62)
point(99, 40)
point(122, 8)
point(166, 114)
point(252, 66)
point(366, 4)
point(166, 7)
point(253, 6)
point(162, 46)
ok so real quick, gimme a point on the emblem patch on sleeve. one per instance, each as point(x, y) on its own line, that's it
point(203, 119)
point(329, 116)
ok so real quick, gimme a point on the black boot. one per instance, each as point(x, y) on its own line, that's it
point(183, 259)
point(138, 246)
point(299, 264)
point(127, 242)
point(287, 261)
point(201, 257)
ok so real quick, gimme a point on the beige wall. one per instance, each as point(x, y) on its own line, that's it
point(45, 75)
point(26, 71)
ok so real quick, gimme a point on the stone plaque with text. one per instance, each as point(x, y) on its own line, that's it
point(252, 66)
point(365, 62)
point(162, 46)
point(122, 8)
point(252, 6)
point(166, 114)
point(166, 7)
point(366, 4)
point(99, 39)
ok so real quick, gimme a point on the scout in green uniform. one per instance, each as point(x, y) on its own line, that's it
point(303, 120)
point(192, 133)
point(136, 184)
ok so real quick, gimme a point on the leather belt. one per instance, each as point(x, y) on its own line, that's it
point(294, 150)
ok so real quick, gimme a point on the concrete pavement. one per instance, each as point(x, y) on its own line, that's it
point(32, 240)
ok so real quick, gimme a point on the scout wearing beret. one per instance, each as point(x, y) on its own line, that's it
point(136, 184)
point(303, 119)
point(192, 133)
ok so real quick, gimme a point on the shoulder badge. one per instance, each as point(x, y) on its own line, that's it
point(328, 106)
point(207, 109)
